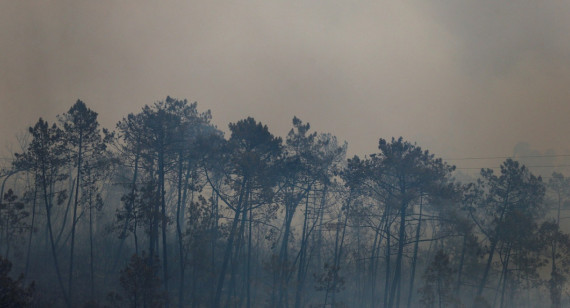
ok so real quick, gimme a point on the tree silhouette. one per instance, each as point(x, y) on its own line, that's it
point(438, 288)
point(512, 202)
point(13, 293)
point(86, 146)
point(45, 158)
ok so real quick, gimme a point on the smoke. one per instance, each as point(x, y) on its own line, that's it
point(461, 78)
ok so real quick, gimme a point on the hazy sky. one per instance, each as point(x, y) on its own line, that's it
point(462, 78)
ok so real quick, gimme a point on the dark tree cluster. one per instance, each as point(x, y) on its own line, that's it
point(168, 211)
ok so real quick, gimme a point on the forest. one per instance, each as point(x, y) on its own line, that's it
point(167, 210)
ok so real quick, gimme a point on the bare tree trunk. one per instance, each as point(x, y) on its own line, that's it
point(32, 226)
point(64, 223)
point(48, 206)
point(163, 218)
point(232, 290)
point(290, 207)
point(229, 247)
point(248, 271)
point(213, 240)
point(283, 256)
point(375, 256)
point(302, 255)
point(129, 212)
point(460, 267)
point(554, 284)
point(494, 241)
point(505, 276)
point(91, 267)
point(388, 258)
point(338, 253)
point(179, 234)
point(74, 221)
point(372, 266)
point(399, 256)
point(320, 214)
point(415, 256)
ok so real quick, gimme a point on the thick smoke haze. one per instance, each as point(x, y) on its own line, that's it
point(172, 214)
point(461, 78)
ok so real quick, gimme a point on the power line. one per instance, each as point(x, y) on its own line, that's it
point(453, 158)
point(505, 157)
point(528, 166)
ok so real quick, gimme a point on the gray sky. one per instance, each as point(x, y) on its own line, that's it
point(461, 78)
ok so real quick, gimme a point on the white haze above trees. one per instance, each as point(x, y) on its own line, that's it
point(463, 78)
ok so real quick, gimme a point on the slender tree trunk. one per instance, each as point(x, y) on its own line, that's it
point(505, 276)
point(154, 208)
point(91, 266)
point(387, 225)
point(179, 235)
point(494, 241)
point(487, 267)
point(372, 266)
point(388, 258)
point(92, 260)
point(360, 268)
point(554, 284)
point(375, 256)
point(460, 267)
point(439, 301)
point(338, 255)
point(229, 247)
point(130, 209)
point(401, 243)
point(415, 256)
point(67, 208)
point(213, 241)
point(248, 272)
point(52, 243)
point(302, 252)
point(74, 221)
point(283, 255)
point(246, 223)
point(32, 226)
point(398, 297)
point(135, 237)
point(291, 204)
point(8, 239)
point(500, 283)
point(235, 259)
point(319, 240)
point(163, 217)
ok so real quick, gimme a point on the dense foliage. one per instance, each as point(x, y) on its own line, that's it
point(166, 211)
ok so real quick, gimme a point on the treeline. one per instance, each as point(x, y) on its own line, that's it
point(166, 211)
